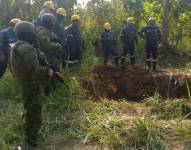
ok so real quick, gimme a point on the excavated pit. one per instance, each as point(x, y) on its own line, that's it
point(134, 83)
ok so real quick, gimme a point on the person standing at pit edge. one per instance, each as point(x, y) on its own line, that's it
point(29, 73)
point(48, 7)
point(59, 30)
point(152, 35)
point(7, 37)
point(107, 42)
point(75, 43)
point(128, 38)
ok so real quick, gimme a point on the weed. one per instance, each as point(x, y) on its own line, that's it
point(144, 135)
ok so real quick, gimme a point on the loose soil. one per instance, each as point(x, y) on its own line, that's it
point(135, 83)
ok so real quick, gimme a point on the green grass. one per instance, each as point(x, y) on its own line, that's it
point(69, 115)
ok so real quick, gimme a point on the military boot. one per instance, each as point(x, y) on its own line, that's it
point(154, 65)
point(148, 63)
point(132, 60)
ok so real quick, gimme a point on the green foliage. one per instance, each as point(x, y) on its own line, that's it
point(68, 114)
point(7, 89)
point(169, 110)
point(144, 135)
point(115, 125)
point(12, 133)
point(154, 100)
point(61, 100)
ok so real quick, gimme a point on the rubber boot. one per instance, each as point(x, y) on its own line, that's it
point(149, 63)
point(133, 61)
point(27, 147)
point(32, 147)
point(154, 65)
point(122, 61)
point(105, 61)
point(117, 61)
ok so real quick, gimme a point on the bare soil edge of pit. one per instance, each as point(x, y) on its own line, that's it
point(134, 83)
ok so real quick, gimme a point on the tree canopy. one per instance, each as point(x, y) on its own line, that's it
point(172, 16)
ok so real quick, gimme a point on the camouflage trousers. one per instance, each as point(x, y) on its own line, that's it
point(32, 107)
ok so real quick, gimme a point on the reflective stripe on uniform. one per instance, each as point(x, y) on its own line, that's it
point(127, 55)
point(148, 59)
point(70, 35)
point(71, 62)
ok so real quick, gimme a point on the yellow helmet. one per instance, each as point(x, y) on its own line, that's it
point(75, 17)
point(14, 20)
point(107, 26)
point(131, 20)
point(49, 4)
point(61, 11)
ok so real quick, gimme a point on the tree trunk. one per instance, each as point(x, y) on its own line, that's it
point(167, 4)
point(4, 10)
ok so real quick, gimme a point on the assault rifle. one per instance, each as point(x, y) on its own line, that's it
point(57, 77)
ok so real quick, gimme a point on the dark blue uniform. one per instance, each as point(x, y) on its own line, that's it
point(61, 35)
point(6, 37)
point(60, 32)
point(38, 21)
point(152, 36)
point(107, 41)
point(128, 38)
point(74, 44)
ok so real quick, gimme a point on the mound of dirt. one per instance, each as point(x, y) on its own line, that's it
point(134, 83)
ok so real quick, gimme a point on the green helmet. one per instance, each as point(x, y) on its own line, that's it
point(24, 26)
point(25, 31)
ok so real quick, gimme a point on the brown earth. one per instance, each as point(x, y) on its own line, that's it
point(134, 83)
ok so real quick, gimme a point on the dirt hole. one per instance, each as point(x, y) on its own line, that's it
point(134, 83)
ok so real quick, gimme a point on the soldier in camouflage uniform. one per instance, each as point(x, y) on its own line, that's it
point(49, 43)
point(29, 73)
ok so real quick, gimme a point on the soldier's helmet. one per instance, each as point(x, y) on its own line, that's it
point(48, 20)
point(25, 31)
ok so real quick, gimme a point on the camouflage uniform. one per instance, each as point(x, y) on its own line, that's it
point(29, 73)
point(50, 47)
